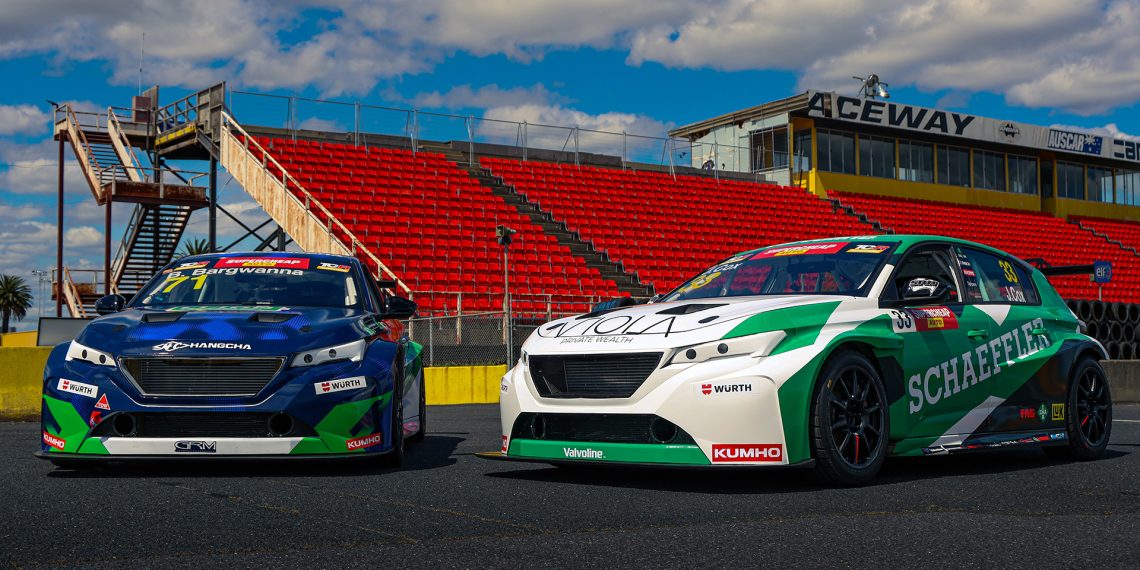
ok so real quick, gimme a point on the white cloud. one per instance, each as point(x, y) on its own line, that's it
point(22, 120)
point(82, 236)
point(550, 127)
point(1109, 130)
point(318, 124)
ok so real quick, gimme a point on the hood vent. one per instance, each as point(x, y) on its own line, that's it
point(690, 308)
point(272, 318)
point(162, 317)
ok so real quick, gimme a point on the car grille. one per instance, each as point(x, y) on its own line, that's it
point(592, 375)
point(598, 428)
point(201, 376)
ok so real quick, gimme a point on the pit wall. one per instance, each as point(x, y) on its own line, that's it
point(20, 382)
point(22, 377)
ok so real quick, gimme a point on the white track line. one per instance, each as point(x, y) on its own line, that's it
point(1127, 421)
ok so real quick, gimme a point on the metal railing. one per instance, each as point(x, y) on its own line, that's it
point(474, 338)
point(568, 144)
point(311, 205)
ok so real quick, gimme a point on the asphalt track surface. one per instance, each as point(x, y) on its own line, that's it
point(447, 508)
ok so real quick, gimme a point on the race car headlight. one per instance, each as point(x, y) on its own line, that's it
point(77, 351)
point(353, 351)
point(755, 345)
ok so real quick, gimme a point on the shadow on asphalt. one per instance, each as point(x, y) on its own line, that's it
point(760, 481)
point(433, 452)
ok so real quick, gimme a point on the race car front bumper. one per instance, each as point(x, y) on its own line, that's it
point(724, 413)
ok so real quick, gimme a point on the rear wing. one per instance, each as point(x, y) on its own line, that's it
point(1101, 271)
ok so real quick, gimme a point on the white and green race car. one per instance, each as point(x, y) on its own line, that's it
point(828, 353)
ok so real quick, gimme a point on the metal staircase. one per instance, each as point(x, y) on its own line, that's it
point(104, 145)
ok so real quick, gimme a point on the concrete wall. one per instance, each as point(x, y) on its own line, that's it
point(1123, 380)
point(26, 338)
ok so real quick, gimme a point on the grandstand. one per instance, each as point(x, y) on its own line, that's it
point(423, 213)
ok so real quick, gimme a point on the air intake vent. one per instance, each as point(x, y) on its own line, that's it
point(592, 375)
point(201, 376)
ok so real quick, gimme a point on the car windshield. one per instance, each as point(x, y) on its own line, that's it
point(258, 282)
point(818, 268)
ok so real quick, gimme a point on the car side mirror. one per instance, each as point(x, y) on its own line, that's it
point(925, 290)
point(399, 308)
point(614, 304)
point(110, 304)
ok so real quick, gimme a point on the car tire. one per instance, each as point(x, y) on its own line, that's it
point(422, 432)
point(1088, 413)
point(395, 456)
point(850, 420)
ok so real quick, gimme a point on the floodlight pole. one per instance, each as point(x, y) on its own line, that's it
point(59, 237)
point(213, 204)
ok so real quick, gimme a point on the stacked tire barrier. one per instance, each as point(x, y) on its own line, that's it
point(1113, 324)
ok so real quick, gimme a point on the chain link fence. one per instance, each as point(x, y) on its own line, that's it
point(474, 339)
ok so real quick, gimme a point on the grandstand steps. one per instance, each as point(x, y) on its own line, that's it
point(626, 282)
point(151, 242)
point(1105, 237)
point(839, 207)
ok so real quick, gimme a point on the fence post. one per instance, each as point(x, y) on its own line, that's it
point(716, 158)
point(576, 163)
point(415, 129)
point(292, 122)
point(623, 148)
point(470, 140)
point(431, 341)
point(672, 147)
point(524, 143)
point(357, 122)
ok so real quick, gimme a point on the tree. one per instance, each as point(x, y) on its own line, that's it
point(15, 298)
point(194, 247)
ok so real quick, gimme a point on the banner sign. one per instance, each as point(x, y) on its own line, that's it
point(949, 123)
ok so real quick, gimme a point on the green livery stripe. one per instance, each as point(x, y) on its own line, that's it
point(616, 452)
point(802, 324)
point(72, 428)
point(336, 427)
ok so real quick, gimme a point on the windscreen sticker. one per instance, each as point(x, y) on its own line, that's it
point(924, 319)
point(204, 308)
point(284, 262)
point(191, 265)
point(804, 249)
point(1012, 293)
point(868, 248)
point(333, 267)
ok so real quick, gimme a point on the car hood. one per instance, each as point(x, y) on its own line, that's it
point(660, 325)
point(245, 331)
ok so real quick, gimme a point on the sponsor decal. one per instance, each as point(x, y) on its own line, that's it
point(102, 403)
point(1009, 130)
point(96, 417)
point(804, 249)
point(1058, 436)
point(620, 325)
point(924, 319)
point(225, 308)
point(191, 265)
point(1075, 142)
point(1128, 150)
point(1058, 412)
point(365, 442)
point(286, 262)
point(1027, 414)
point(504, 386)
point(575, 453)
point(890, 114)
point(868, 248)
point(1042, 412)
point(958, 374)
point(503, 447)
point(331, 386)
point(717, 388)
point(334, 267)
point(173, 345)
point(1012, 293)
point(54, 441)
point(195, 446)
point(969, 273)
point(65, 385)
point(747, 452)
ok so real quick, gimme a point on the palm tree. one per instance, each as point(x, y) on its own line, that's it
point(194, 247)
point(15, 298)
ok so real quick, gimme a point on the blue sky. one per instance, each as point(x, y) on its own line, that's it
point(641, 66)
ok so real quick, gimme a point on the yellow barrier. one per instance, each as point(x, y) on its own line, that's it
point(21, 379)
point(23, 369)
point(463, 384)
point(26, 338)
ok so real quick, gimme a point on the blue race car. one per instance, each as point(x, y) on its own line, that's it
point(250, 355)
